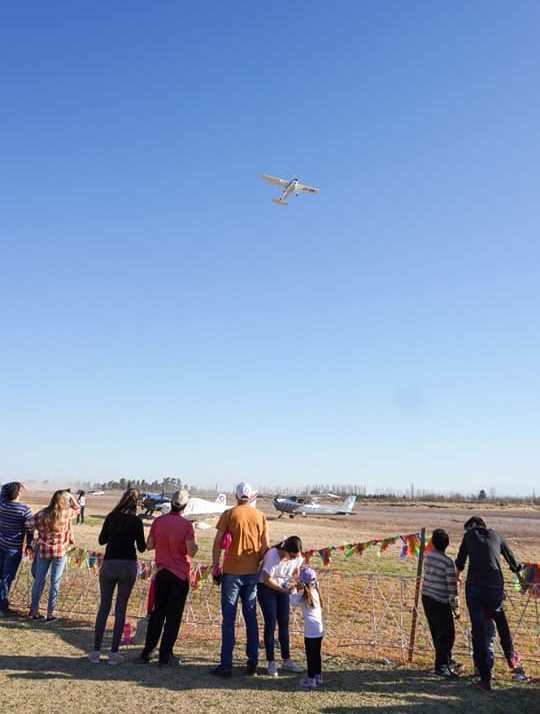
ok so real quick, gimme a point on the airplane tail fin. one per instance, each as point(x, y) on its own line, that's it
point(222, 499)
point(348, 504)
point(280, 202)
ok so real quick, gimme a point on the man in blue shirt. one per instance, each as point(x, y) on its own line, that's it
point(14, 528)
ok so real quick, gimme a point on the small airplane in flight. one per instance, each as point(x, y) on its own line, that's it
point(290, 187)
point(308, 506)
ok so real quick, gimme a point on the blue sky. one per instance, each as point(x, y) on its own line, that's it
point(160, 316)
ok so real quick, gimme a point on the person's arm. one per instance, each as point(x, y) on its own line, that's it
point(269, 580)
point(216, 548)
point(141, 543)
point(509, 557)
point(451, 582)
point(103, 537)
point(296, 599)
point(29, 531)
point(74, 505)
point(192, 547)
point(461, 558)
point(150, 543)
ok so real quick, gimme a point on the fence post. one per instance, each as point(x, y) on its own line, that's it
point(417, 593)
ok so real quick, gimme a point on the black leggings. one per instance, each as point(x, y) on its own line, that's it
point(313, 655)
point(441, 624)
point(121, 574)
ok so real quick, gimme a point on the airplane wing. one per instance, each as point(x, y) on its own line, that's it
point(306, 189)
point(275, 181)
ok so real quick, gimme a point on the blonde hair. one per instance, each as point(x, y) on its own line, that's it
point(52, 514)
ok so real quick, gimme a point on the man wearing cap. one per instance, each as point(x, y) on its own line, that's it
point(173, 538)
point(248, 543)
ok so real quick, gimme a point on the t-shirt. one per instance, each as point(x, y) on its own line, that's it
point(82, 501)
point(121, 531)
point(14, 523)
point(170, 533)
point(313, 620)
point(279, 569)
point(248, 527)
point(439, 577)
point(483, 547)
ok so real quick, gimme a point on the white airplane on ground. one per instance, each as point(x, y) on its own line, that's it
point(197, 508)
point(309, 506)
point(290, 188)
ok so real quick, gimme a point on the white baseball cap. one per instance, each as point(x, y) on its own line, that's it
point(244, 492)
point(180, 498)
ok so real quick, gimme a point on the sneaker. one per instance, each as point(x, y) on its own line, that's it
point(484, 685)
point(272, 669)
point(445, 671)
point(51, 618)
point(143, 658)
point(3, 613)
point(94, 657)
point(115, 658)
point(308, 683)
point(172, 661)
point(519, 675)
point(319, 680)
point(221, 671)
point(290, 665)
point(456, 666)
point(251, 669)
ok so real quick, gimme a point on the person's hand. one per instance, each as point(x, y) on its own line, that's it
point(29, 551)
point(217, 575)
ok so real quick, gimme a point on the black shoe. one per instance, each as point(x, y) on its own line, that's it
point(173, 661)
point(221, 671)
point(144, 658)
point(251, 669)
point(445, 671)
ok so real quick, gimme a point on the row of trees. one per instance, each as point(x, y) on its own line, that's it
point(168, 484)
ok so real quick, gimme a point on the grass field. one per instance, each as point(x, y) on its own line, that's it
point(44, 668)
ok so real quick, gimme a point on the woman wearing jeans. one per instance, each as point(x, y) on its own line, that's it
point(55, 536)
point(280, 566)
point(121, 531)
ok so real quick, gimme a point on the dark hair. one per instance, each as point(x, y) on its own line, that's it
point(292, 545)
point(81, 493)
point(440, 539)
point(177, 509)
point(11, 490)
point(475, 522)
point(128, 502)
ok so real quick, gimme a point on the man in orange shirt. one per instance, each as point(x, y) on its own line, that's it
point(248, 543)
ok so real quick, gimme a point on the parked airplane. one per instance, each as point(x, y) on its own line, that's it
point(196, 509)
point(308, 506)
point(290, 187)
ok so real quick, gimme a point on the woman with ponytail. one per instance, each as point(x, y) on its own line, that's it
point(280, 567)
point(55, 536)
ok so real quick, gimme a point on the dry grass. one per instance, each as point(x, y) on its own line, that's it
point(53, 660)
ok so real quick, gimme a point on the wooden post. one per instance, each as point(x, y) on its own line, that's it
point(417, 593)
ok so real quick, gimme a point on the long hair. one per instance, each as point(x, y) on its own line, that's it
point(308, 595)
point(128, 503)
point(52, 514)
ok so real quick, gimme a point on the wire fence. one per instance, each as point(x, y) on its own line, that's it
point(366, 615)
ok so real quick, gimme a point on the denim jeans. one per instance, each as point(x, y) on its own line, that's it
point(10, 559)
point(484, 603)
point(275, 607)
point(233, 588)
point(57, 566)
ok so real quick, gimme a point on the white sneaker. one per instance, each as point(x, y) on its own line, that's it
point(115, 658)
point(309, 683)
point(272, 669)
point(318, 680)
point(94, 657)
point(290, 665)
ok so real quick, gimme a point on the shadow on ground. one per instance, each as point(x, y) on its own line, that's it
point(416, 691)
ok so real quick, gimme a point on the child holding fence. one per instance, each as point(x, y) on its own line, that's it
point(440, 601)
point(309, 598)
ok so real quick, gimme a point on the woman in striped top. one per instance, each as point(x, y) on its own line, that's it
point(440, 601)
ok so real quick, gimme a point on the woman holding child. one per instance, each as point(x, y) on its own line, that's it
point(279, 570)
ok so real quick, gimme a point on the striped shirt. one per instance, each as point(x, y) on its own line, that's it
point(14, 523)
point(439, 577)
